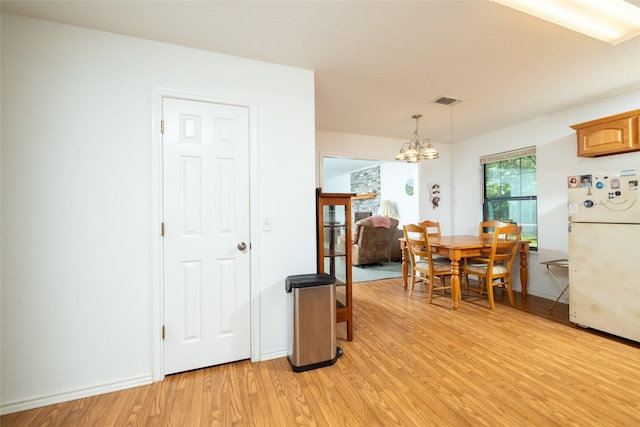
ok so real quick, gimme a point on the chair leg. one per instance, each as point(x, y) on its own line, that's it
point(510, 292)
point(413, 283)
point(490, 294)
point(443, 284)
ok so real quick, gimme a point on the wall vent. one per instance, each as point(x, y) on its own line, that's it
point(447, 100)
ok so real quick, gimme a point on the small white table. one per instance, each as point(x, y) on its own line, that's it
point(561, 263)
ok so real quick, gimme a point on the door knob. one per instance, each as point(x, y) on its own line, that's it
point(242, 246)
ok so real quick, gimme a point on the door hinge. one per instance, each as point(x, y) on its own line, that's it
point(163, 332)
point(162, 229)
point(162, 126)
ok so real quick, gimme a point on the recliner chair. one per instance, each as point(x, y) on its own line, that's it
point(371, 240)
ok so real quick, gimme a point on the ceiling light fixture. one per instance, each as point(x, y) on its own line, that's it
point(417, 148)
point(612, 21)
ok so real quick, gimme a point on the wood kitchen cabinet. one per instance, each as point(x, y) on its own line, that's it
point(609, 135)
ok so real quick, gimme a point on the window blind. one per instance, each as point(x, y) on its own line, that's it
point(508, 155)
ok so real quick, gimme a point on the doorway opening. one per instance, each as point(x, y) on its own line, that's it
point(374, 181)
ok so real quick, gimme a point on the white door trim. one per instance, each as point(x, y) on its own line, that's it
point(157, 260)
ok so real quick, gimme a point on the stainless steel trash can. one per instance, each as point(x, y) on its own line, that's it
point(311, 306)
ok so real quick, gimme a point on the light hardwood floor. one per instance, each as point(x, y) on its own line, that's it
point(410, 364)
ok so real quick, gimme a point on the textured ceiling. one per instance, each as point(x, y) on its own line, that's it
point(378, 62)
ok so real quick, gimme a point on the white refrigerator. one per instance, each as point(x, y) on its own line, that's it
point(604, 252)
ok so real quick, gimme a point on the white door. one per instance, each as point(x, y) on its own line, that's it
point(206, 234)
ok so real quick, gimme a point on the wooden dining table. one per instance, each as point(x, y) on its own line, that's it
point(458, 247)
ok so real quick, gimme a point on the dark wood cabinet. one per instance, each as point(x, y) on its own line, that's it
point(333, 224)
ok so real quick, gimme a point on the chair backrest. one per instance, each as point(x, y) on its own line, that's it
point(432, 228)
point(366, 234)
point(417, 244)
point(487, 228)
point(505, 245)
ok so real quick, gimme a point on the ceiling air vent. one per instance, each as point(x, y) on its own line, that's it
point(446, 100)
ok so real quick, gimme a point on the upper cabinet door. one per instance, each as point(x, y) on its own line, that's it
point(610, 135)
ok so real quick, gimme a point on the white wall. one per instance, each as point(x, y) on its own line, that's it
point(337, 184)
point(77, 278)
point(393, 178)
point(378, 148)
point(556, 146)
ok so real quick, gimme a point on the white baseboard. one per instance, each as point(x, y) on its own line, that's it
point(273, 355)
point(38, 402)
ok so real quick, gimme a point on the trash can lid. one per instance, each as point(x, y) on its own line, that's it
point(308, 280)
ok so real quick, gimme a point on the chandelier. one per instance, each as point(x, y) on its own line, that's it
point(417, 149)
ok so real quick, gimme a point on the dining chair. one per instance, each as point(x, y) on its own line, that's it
point(494, 268)
point(433, 230)
point(422, 262)
point(487, 228)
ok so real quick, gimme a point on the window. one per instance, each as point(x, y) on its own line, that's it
point(510, 191)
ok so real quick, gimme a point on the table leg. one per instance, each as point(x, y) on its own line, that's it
point(524, 271)
point(405, 265)
point(455, 283)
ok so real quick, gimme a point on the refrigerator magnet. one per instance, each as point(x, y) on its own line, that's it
point(573, 181)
